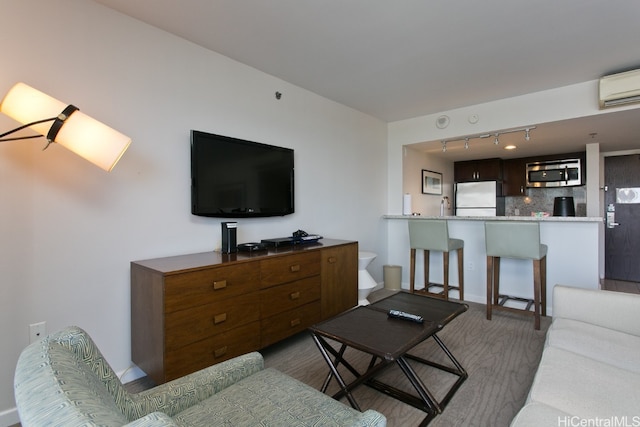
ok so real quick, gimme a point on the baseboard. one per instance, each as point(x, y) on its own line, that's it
point(132, 373)
point(9, 417)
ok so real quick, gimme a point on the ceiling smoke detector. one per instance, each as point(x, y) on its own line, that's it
point(442, 122)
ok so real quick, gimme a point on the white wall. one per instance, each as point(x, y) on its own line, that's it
point(69, 230)
point(413, 162)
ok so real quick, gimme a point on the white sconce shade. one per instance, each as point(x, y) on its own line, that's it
point(85, 136)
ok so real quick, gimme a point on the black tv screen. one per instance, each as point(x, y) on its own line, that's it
point(234, 178)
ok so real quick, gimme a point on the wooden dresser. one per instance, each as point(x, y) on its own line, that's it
point(192, 311)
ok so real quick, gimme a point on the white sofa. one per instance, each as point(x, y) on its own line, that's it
point(589, 373)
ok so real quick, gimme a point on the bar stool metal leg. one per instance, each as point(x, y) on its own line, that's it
point(461, 273)
point(425, 255)
point(412, 270)
point(543, 290)
point(490, 275)
point(445, 282)
point(493, 284)
point(539, 290)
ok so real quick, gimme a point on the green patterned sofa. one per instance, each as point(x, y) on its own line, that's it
point(64, 380)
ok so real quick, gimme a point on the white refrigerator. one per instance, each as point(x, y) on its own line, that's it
point(479, 199)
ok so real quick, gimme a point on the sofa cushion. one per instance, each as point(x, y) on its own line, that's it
point(602, 344)
point(270, 398)
point(537, 414)
point(609, 309)
point(54, 388)
point(584, 387)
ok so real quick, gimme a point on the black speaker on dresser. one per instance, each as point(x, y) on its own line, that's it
point(229, 244)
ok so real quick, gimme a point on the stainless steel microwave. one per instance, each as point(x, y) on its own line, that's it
point(557, 173)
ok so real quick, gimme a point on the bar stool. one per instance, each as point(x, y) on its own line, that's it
point(433, 235)
point(519, 240)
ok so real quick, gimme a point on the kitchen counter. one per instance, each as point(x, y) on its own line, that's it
point(503, 218)
point(572, 258)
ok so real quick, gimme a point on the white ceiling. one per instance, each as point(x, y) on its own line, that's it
point(408, 58)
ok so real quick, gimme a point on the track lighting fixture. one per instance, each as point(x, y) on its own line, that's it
point(496, 137)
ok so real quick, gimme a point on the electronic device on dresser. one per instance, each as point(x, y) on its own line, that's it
point(234, 178)
point(229, 237)
point(251, 247)
point(297, 237)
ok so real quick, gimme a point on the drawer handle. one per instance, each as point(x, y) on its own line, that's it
point(332, 260)
point(221, 284)
point(219, 318)
point(295, 268)
point(220, 352)
point(295, 295)
point(295, 322)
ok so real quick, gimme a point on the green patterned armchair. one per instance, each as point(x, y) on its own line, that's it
point(64, 380)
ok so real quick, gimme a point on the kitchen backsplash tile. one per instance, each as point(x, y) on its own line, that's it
point(541, 200)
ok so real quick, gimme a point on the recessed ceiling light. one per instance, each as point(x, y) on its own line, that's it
point(510, 147)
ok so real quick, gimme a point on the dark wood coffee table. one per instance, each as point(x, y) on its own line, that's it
point(388, 340)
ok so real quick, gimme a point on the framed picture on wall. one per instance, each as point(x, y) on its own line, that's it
point(431, 182)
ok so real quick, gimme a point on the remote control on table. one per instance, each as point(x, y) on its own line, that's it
point(405, 316)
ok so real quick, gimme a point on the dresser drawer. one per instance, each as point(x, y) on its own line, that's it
point(278, 270)
point(285, 297)
point(194, 324)
point(210, 351)
point(290, 322)
point(189, 289)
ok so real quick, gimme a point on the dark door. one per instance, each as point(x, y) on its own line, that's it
point(622, 211)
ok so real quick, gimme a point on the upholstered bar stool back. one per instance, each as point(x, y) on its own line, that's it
point(519, 240)
point(433, 235)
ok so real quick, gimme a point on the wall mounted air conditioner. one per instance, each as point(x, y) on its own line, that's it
point(620, 89)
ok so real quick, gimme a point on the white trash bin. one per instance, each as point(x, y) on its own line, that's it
point(392, 277)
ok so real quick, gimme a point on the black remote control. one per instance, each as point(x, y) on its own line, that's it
point(405, 316)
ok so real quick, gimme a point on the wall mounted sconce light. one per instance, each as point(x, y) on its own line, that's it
point(63, 124)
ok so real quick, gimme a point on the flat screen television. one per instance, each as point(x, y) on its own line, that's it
point(234, 178)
